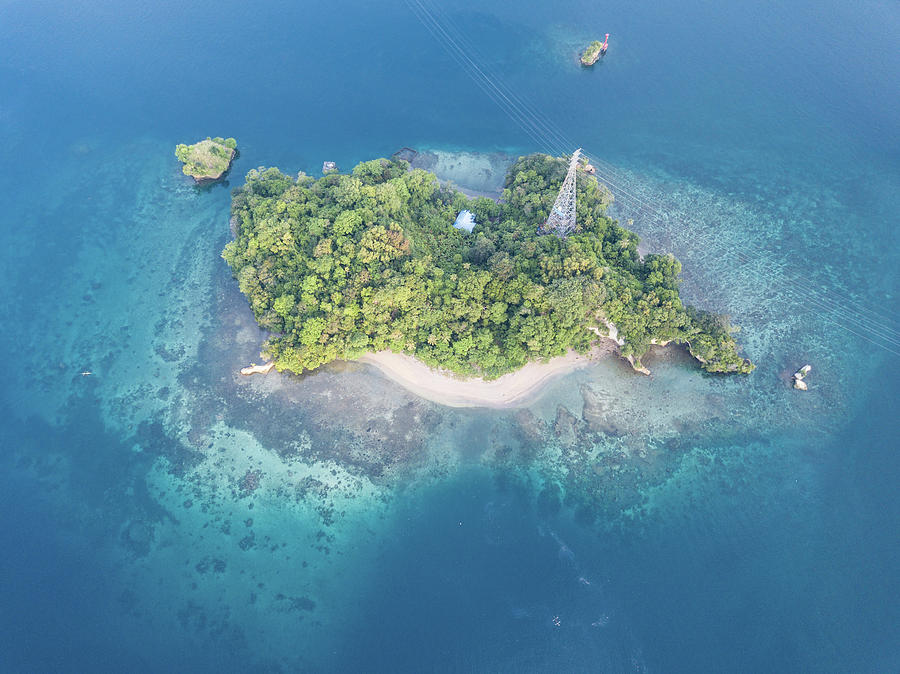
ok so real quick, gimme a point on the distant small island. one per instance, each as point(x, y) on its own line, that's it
point(592, 53)
point(370, 262)
point(207, 160)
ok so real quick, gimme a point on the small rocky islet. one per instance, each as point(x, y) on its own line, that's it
point(207, 160)
point(593, 52)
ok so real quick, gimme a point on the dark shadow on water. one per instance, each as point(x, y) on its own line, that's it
point(474, 581)
point(781, 571)
point(74, 509)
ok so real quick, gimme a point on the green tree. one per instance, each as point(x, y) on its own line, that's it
point(346, 263)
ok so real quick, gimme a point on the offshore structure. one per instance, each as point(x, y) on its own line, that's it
point(562, 216)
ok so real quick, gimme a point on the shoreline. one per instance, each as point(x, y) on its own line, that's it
point(514, 389)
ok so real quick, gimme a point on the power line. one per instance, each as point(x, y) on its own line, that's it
point(648, 204)
point(541, 130)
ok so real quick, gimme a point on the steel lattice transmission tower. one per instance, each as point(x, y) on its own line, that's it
point(562, 218)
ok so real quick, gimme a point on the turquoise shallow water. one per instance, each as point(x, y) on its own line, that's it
point(164, 513)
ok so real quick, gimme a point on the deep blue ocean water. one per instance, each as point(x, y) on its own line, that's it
point(759, 141)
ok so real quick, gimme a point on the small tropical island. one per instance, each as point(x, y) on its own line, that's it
point(592, 53)
point(207, 160)
point(351, 266)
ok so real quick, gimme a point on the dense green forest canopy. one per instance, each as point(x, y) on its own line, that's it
point(370, 261)
point(591, 53)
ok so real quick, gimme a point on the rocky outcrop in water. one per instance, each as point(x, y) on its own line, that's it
point(799, 375)
point(258, 369)
point(208, 160)
point(613, 334)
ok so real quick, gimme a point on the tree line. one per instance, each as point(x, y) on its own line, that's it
point(370, 261)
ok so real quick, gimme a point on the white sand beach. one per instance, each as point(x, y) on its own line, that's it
point(511, 390)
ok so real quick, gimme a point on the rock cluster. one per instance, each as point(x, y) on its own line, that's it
point(799, 375)
point(258, 369)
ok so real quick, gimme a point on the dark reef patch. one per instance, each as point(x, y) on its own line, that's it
point(292, 604)
point(155, 441)
point(249, 483)
point(317, 416)
point(93, 471)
